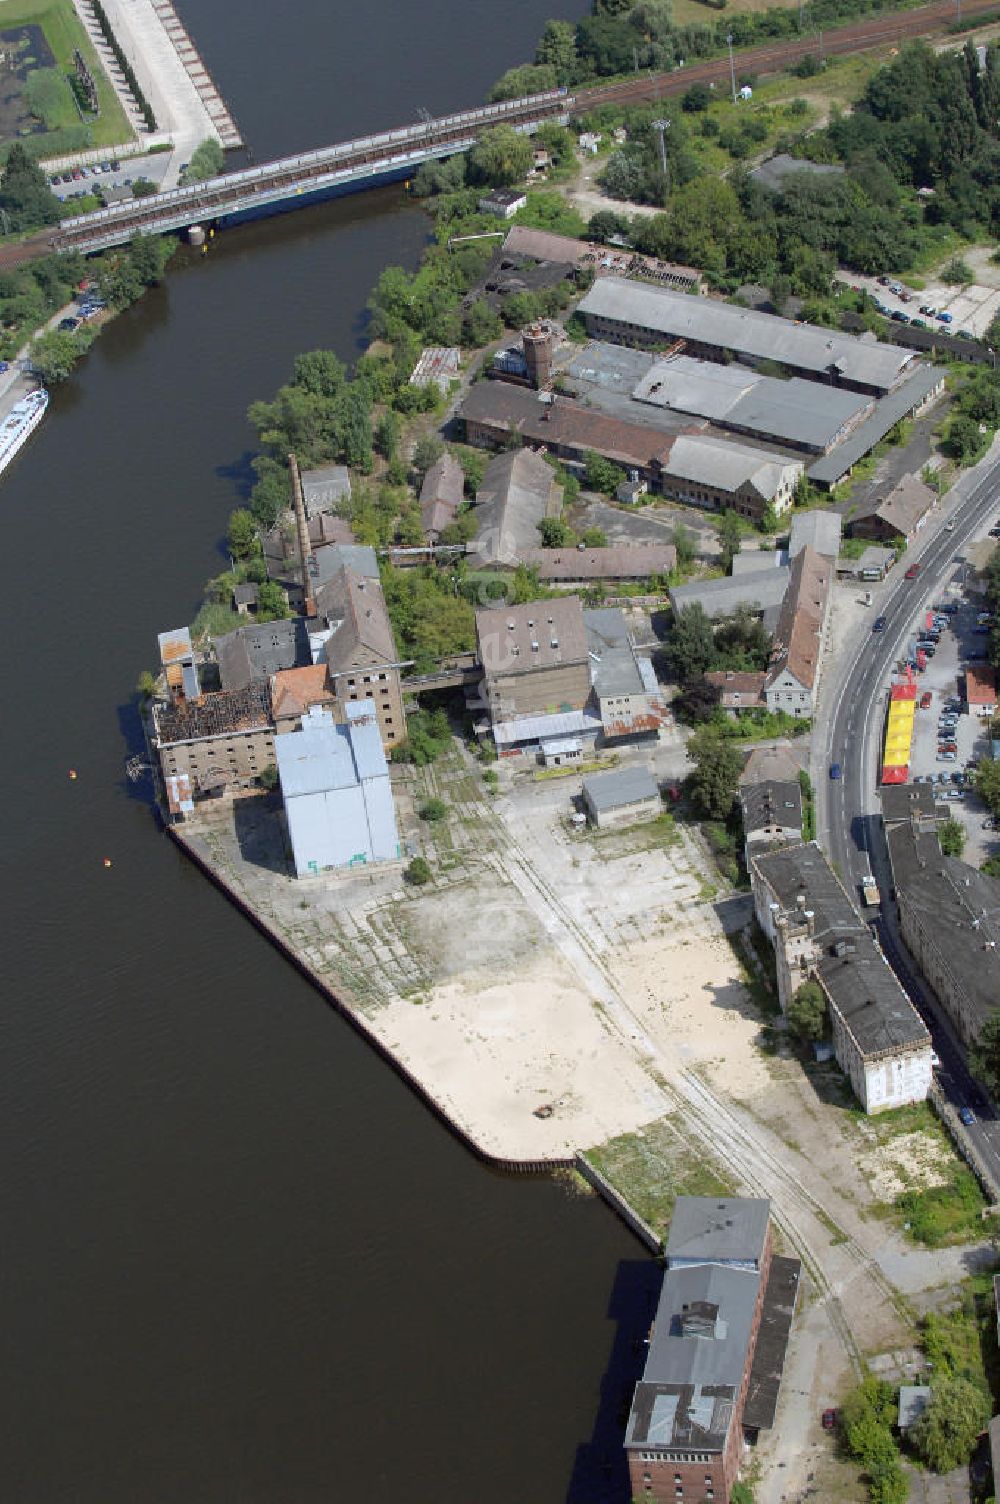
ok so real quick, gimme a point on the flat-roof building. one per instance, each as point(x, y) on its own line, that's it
point(772, 814)
point(336, 792)
point(615, 308)
point(623, 796)
point(217, 743)
point(716, 1351)
point(818, 530)
point(880, 1042)
point(764, 590)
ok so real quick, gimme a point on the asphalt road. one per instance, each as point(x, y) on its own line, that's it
point(854, 836)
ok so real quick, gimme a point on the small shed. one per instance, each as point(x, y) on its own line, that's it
point(245, 598)
point(624, 796)
point(913, 1401)
point(558, 752)
point(503, 203)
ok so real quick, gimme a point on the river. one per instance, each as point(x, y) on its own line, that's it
point(240, 1260)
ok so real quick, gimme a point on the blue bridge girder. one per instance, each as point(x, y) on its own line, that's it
point(292, 182)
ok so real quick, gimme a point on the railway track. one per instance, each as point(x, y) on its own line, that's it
point(774, 57)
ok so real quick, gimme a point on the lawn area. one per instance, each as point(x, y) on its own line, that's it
point(963, 1341)
point(688, 11)
point(654, 1166)
point(63, 32)
point(934, 1215)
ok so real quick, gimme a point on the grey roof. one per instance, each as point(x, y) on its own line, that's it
point(697, 1357)
point(860, 983)
point(907, 801)
point(718, 1228)
point(327, 755)
point(779, 764)
point(252, 654)
point(771, 803)
point(515, 496)
point(532, 636)
point(614, 663)
point(331, 558)
point(753, 560)
point(724, 326)
point(913, 1401)
point(888, 412)
point(820, 530)
point(957, 909)
point(619, 788)
point(323, 489)
point(772, 173)
point(801, 413)
point(716, 462)
point(764, 589)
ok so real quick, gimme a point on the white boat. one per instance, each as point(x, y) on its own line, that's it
point(20, 423)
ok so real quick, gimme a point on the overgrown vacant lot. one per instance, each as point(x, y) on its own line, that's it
point(63, 129)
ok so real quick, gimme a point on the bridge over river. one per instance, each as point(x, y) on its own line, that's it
point(393, 156)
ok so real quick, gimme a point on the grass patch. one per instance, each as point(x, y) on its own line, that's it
point(63, 32)
point(653, 1168)
point(943, 1214)
point(596, 765)
point(962, 1342)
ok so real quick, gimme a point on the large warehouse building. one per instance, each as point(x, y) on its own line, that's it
point(635, 314)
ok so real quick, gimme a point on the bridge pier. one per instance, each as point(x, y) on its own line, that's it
point(196, 235)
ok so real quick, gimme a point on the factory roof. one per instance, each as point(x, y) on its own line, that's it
point(796, 412)
point(907, 801)
point(619, 788)
point(331, 558)
point(634, 561)
point(804, 881)
point(697, 1357)
point(820, 530)
point(764, 589)
point(889, 411)
point(538, 635)
point(753, 560)
point(615, 667)
point(247, 709)
point(728, 467)
point(364, 632)
point(776, 763)
point(174, 645)
point(542, 245)
point(325, 529)
point(323, 489)
point(325, 755)
point(516, 494)
point(253, 653)
point(293, 690)
point(561, 423)
point(706, 321)
point(552, 727)
point(717, 1229)
point(867, 994)
point(441, 493)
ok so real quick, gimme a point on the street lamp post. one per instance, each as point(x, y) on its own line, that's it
point(660, 127)
point(732, 65)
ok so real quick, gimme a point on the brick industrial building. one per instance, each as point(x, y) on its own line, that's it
point(716, 1351)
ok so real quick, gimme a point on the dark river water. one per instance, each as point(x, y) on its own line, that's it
point(240, 1261)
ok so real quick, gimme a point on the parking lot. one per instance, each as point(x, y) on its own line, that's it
point(943, 681)
point(969, 310)
point(81, 182)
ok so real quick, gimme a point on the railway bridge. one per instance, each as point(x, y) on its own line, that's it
point(293, 182)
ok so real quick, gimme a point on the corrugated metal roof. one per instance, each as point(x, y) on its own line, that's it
point(727, 467)
point(820, 530)
point(760, 335)
point(537, 728)
point(619, 788)
point(721, 597)
point(888, 412)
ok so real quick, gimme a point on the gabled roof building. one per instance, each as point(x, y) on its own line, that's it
point(793, 673)
point(441, 496)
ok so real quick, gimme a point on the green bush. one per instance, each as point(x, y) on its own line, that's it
point(418, 872)
point(433, 810)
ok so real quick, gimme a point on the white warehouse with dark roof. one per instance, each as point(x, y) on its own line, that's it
point(633, 313)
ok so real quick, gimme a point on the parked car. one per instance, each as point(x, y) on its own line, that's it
point(947, 757)
point(918, 324)
point(944, 318)
point(829, 1420)
point(967, 1116)
point(69, 324)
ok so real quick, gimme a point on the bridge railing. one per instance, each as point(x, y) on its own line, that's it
point(195, 194)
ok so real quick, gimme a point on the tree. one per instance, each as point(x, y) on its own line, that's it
point(606, 225)
point(387, 435)
point(601, 474)
point(418, 872)
point(54, 354)
point(242, 537)
point(480, 325)
point(272, 603)
point(964, 440)
point(952, 837)
point(268, 779)
point(25, 194)
point(426, 452)
point(717, 768)
point(557, 48)
point(320, 373)
point(807, 1012)
point(555, 533)
point(690, 648)
point(991, 866)
point(683, 540)
point(988, 786)
point(946, 1432)
point(501, 157)
point(697, 702)
point(143, 188)
point(984, 1056)
point(146, 685)
point(696, 99)
point(729, 530)
point(528, 78)
point(207, 161)
point(593, 537)
point(433, 810)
